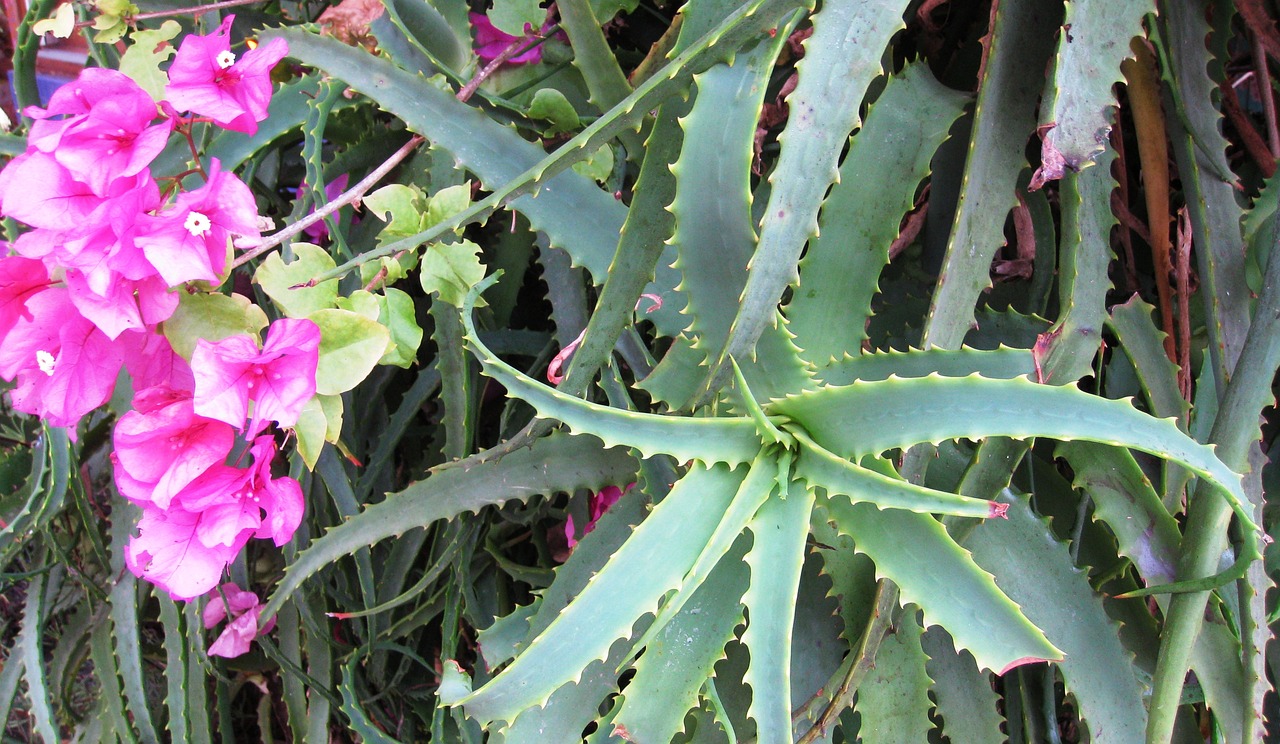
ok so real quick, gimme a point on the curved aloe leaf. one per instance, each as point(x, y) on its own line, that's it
point(820, 468)
point(1026, 558)
point(650, 564)
point(728, 440)
point(552, 464)
point(894, 698)
point(714, 238)
point(681, 658)
point(1012, 78)
point(860, 218)
point(1002, 363)
point(780, 529)
point(841, 59)
point(898, 413)
point(969, 707)
point(942, 579)
point(1094, 40)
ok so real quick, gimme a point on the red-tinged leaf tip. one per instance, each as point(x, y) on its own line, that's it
point(1024, 660)
point(339, 615)
point(998, 511)
point(354, 461)
point(621, 731)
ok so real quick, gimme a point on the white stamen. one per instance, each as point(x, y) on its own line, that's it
point(226, 59)
point(197, 224)
point(45, 361)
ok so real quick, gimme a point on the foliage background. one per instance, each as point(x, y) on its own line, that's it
point(702, 153)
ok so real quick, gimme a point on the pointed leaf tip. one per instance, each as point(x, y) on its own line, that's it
point(1020, 662)
point(455, 684)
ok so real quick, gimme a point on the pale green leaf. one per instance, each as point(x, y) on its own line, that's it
point(350, 346)
point(142, 60)
point(320, 421)
point(61, 24)
point(278, 279)
point(510, 16)
point(551, 105)
point(211, 317)
point(398, 314)
point(447, 202)
point(452, 270)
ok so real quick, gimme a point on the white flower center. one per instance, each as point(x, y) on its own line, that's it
point(45, 361)
point(197, 224)
point(226, 59)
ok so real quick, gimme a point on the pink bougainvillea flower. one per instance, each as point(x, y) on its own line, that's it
point(163, 445)
point(20, 279)
point(64, 366)
point(127, 305)
point(236, 501)
point(188, 241)
point(38, 190)
point(279, 379)
point(106, 131)
point(597, 505)
point(206, 78)
point(167, 553)
point(152, 362)
point(245, 609)
point(491, 42)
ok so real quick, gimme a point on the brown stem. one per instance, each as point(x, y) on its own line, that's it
point(1249, 137)
point(1263, 75)
point(349, 196)
point(182, 11)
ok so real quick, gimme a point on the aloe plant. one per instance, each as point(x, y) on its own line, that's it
point(857, 294)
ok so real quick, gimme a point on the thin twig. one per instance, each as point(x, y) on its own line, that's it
point(1182, 275)
point(515, 48)
point(1264, 91)
point(349, 196)
point(181, 11)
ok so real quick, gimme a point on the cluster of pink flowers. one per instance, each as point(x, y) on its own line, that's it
point(83, 291)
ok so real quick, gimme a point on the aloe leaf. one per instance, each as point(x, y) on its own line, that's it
point(942, 579)
point(572, 707)
point(651, 563)
point(1001, 363)
point(198, 698)
point(860, 217)
point(175, 657)
point(428, 30)
point(10, 676)
point(1025, 557)
point(898, 413)
point(552, 464)
point(680, 658)
point(841, 59)
point(966, 702)
point(728, 440)
point(123, 600)
point(498, 155)
point(353, 709)
point(1005, 116)
point(1148, 535)
point(777, 367)
point(1077, 113)
point(109, 693)
point(779, 530)
point(606, 85)
point(29, 648)
point(893, 700)
point(885, 489)
point(1199, 149)
point(759, 485)
point(1143, 343)
point(1066, 352)
point(713, 235)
